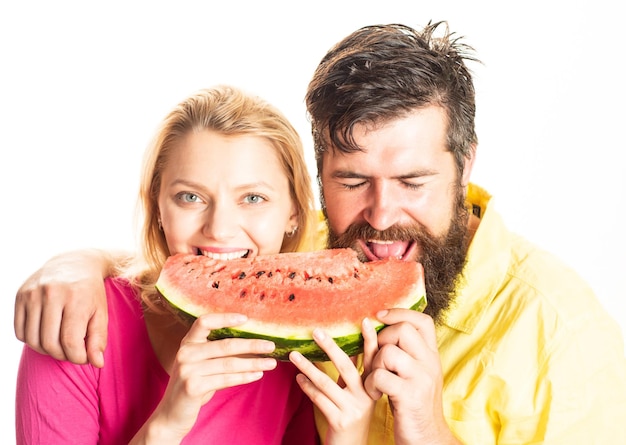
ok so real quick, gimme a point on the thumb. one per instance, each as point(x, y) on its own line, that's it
point(204, 324)
point(371, 387)
point(97, 338)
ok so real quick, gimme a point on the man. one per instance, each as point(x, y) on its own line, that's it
point(514, 347)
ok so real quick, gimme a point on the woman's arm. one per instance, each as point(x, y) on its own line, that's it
point(61, 309)
point(56, 402)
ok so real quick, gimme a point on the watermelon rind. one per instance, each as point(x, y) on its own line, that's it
point(351, 342)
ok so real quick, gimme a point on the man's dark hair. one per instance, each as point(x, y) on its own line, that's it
point(382, 72)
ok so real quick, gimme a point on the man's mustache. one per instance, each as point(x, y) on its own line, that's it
point(394, 233)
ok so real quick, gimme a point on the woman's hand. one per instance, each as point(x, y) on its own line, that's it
point(346, 405)
point(202, 367)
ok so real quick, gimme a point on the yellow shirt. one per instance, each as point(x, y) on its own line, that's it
point(528, 354)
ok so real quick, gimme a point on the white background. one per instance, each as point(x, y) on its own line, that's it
point(82, 88)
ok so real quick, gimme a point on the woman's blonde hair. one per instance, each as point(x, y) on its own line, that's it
point(229, 111)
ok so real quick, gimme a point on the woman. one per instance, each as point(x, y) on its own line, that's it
point(225, 177)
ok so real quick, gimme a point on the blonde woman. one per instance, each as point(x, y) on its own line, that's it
point(225, 177)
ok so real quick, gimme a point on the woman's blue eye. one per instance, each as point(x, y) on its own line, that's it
point(254, 199)
point(189, 197)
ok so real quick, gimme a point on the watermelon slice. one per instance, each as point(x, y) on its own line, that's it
point(286, 295)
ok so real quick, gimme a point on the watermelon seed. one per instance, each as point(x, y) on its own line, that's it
point(292, 275)
point(262, 296)
point(242, 275)
point(259, 273)
point(356, 275)
point(330, 280)
point(216, 284)
point(292, 297)
point(242, 294)
point(270, 274)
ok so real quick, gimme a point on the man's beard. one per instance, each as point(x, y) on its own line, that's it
point(443, 257)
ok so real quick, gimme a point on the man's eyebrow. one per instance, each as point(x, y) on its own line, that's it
point(348, 174)
point(418, 173)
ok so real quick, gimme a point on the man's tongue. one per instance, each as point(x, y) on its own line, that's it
point(385, 250)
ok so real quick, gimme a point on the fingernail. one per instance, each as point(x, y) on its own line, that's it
point(268, 346)
point(367, 324)
point(269, 363)
point(301, 378)
point(319, 334)
point(382, 314)
point(256, 375)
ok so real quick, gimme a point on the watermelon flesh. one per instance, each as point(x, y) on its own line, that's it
point(285, 296)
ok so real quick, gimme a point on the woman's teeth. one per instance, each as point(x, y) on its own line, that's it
point(225, 256)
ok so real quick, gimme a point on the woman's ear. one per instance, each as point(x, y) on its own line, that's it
point(292, 224)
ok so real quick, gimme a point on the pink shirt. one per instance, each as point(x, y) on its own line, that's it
point(61, 403)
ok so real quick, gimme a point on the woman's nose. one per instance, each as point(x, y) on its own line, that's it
point(220, 222)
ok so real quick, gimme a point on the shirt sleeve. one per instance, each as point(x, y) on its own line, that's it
point(579, 390)
point(584, 385)
point(56, 401)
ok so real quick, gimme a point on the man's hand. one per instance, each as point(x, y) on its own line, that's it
point(61, 309)
point(407, 368)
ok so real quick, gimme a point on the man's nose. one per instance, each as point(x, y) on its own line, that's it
point(382, 210)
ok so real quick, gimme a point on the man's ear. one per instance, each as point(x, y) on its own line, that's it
point(468, 165)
